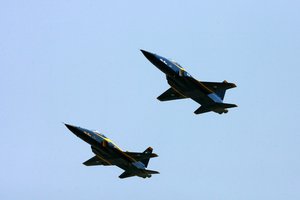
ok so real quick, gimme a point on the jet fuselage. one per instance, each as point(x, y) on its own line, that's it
point(109, 153)
point(184, 84)
point(181, 80)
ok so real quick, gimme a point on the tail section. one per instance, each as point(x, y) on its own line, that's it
point(225, 105)
point(151, 171)
point(139, 167)
point(148, 151)
point(148, 173)
point(219, 87)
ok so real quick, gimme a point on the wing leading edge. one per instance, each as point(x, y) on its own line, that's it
point(170, 94)
point(95, 161)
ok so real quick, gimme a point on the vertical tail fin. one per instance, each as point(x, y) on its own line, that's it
point(221, 93)
point(147, 151)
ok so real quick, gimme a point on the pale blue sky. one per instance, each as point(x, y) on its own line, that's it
point(79, 62)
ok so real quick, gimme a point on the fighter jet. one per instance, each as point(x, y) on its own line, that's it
point(108, 153)
point(209, 94)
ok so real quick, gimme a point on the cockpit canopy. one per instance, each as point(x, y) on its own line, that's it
point(177, 64)
point(100, 134)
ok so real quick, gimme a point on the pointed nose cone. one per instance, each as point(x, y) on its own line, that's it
point(73, 129)
point(148, 55)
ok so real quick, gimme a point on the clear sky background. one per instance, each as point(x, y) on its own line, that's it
point(79, 62)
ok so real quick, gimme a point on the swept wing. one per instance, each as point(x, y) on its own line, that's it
point(170, 94)
point(96, 161)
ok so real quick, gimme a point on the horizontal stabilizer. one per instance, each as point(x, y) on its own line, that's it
point(151, 171)
point(143, 157)
point(169, 95)
point(225, 105)
point(219, 85)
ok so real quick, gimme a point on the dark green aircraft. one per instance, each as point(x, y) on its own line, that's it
point(108, 153)
point(209, 94)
